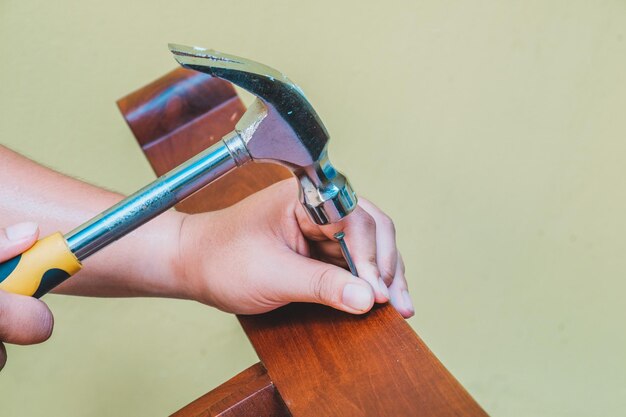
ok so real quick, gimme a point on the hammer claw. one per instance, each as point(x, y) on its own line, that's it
point(280, 127)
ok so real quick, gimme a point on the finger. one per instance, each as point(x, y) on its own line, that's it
point(360, 237)
point(328, 251)
point(3, 356)
point(17, 238)
point(386, 249)
point(399, 292)
point(323, 283)
point(24, 320)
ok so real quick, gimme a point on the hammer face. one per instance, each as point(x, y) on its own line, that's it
point(326, 194)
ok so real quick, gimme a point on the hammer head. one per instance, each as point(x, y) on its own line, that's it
point(282, 127)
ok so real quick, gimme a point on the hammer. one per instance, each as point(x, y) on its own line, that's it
point(280, 126)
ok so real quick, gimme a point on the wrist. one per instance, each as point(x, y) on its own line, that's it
point(178, 262)
point(198, 243)
point(171, 260)
point(159, 266)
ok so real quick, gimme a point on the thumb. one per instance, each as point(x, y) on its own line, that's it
point(313, 281)
point(24, 320)
point(16, 239)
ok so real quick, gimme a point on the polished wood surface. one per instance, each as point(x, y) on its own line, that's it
point(327, 363)
point(183, 113)
point(248, 394)
point(323, 362)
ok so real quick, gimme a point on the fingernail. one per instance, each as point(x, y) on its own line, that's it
point(383, 288)
point(357, 297)
point(20, 231)
point(408, 304)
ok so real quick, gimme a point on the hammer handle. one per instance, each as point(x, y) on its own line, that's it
point(35, 272)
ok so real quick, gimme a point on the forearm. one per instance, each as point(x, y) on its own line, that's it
point(142, 263)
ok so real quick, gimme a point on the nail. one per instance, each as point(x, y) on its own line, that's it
point(346, 253)
point(383, 288)
point(20, 231)
point(408, 304)
point(357, 297)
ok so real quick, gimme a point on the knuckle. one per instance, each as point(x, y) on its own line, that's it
point(36, 326)
point(368, 266)
point(323, 286)
point(46, 323)
point(388, 223)
point(387, 273)
point(368, 221)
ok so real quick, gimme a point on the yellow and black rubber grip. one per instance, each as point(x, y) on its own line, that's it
point(45, 265)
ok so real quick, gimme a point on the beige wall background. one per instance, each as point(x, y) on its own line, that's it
point(492, 131)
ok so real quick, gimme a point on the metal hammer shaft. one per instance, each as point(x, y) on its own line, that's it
point(150, 201)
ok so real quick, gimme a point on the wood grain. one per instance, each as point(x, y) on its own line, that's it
point(327, 363)
point(322, 361)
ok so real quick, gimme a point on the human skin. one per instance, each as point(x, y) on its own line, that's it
point(253, 257)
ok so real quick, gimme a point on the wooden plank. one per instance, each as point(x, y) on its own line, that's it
point(250, 393)
point(172, 101)
point(323, 362)
point(328, 363)
point(183, 113)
